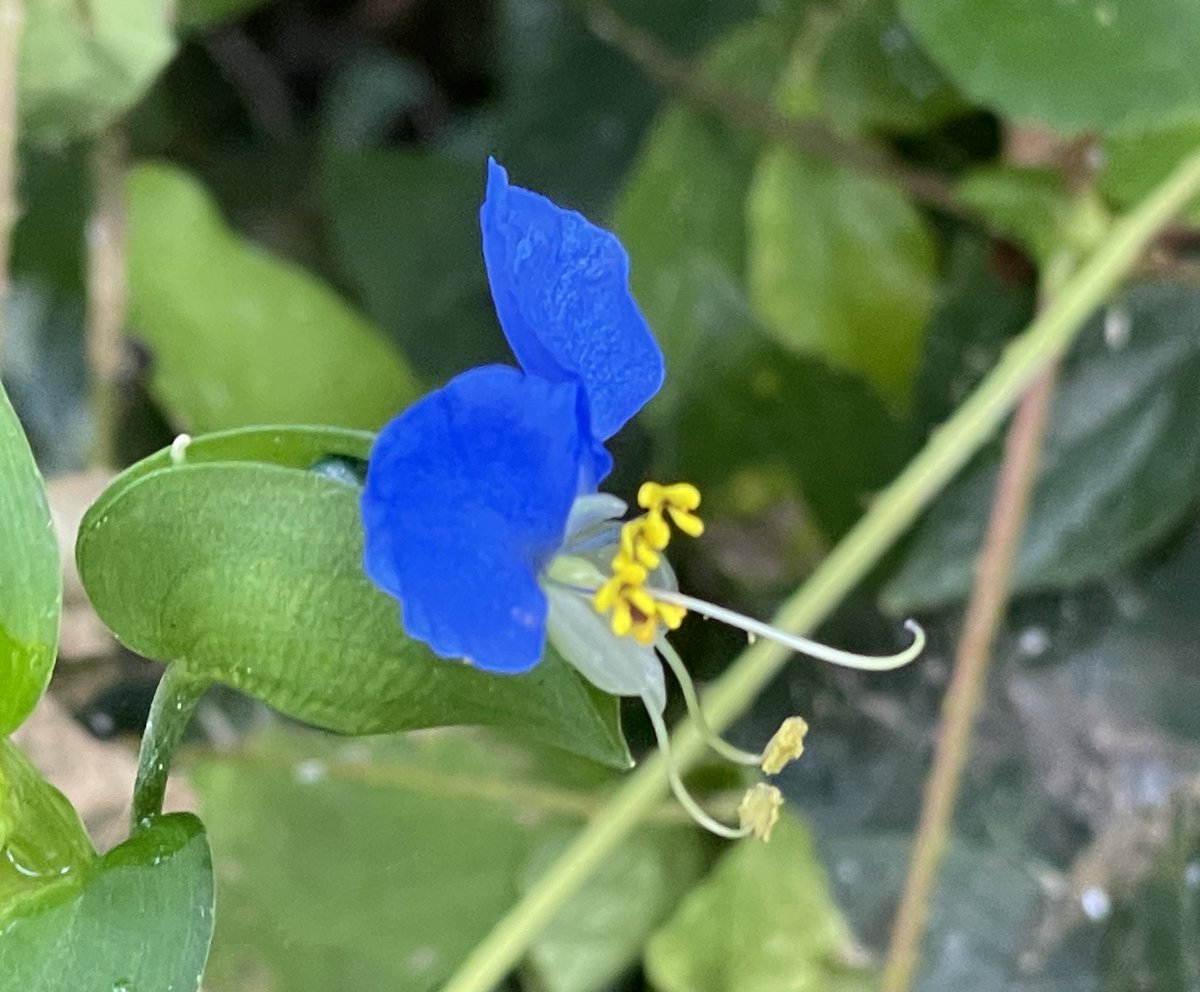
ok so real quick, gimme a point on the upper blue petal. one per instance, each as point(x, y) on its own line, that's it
point(466, 497)
point(561, 290)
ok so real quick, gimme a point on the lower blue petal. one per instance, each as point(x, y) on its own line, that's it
point(466, 497)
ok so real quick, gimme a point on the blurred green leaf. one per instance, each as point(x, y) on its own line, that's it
point(602, 929)
point(1150, 941)
point(761, 922)
point(1132, 164)
point(1086, 65)
point(681, 214)
point(83, 63)
point(978, 912)
point(733, 396)
point(1119, 467)
point(239, 337)
point(406, 229)
point(41, 838)
point(228, 537)
point(412, 849)
point(574, 108)
point(985, 298)
point(200, 15)
point(873, 74)
point(1029, 205)
point(139, 918)
point(30, 585)
point(840, 266)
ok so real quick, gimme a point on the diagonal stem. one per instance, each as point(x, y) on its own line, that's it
point(10, 46)
point(890, 515)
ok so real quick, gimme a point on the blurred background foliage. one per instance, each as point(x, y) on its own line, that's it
point(836, 214)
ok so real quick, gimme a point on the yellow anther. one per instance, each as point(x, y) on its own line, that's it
point(759, 810)
point(670, 614)
point(634, 547)
point(622, 618)
point(786, 746)
point(686, 521)
point(681, 495)
point(655, 530)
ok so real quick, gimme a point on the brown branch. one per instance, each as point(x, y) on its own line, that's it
point(106, 291)
point(984, 611)
point(806, 137)
point(10, 46)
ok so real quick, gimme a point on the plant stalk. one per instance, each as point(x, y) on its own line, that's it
point(985, 611)
point(174, 702)
point(891, 514)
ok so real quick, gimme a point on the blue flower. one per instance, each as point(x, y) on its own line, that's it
point(468, 491)
point(481, 512)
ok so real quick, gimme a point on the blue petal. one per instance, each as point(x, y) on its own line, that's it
point(467, 496)
point(561, 290)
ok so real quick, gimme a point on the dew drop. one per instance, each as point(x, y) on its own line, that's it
point(1095, 903)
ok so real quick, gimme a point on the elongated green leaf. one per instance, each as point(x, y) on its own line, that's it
point(139, 918)
point(1120, 464)
point(30, 586)
point(41, 838)
point(85, 62)
point(239, 337)
point(412, 848)
point(761, 922)
point(840, 266)
point(255, 580)
point(1091, 64)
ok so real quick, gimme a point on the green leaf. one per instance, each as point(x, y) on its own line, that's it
point(406, 229)
point(1132, 164)
point(840, 266)
point(256, 581)
point(238, 336)
point(83, 63)
point(200, 15)
point(601, 930)
point(139, 918)
point(1029, 205)
point(873, 74)
point(30, 585)
point(41, 838)
point(1119, 467)
point(681, 214)
point(412, 847)
point(575, 107)
point(1092, 64)
point(761, 922)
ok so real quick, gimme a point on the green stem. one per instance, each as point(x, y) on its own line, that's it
point(891, 514)
point(174, 701)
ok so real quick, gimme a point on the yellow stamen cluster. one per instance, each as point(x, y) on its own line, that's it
point(759, 810)
point(634, 611)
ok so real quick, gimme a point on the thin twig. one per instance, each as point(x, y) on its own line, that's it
point(989, 596)
point(807, 137)
point(10, 45)
point(106, 292)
